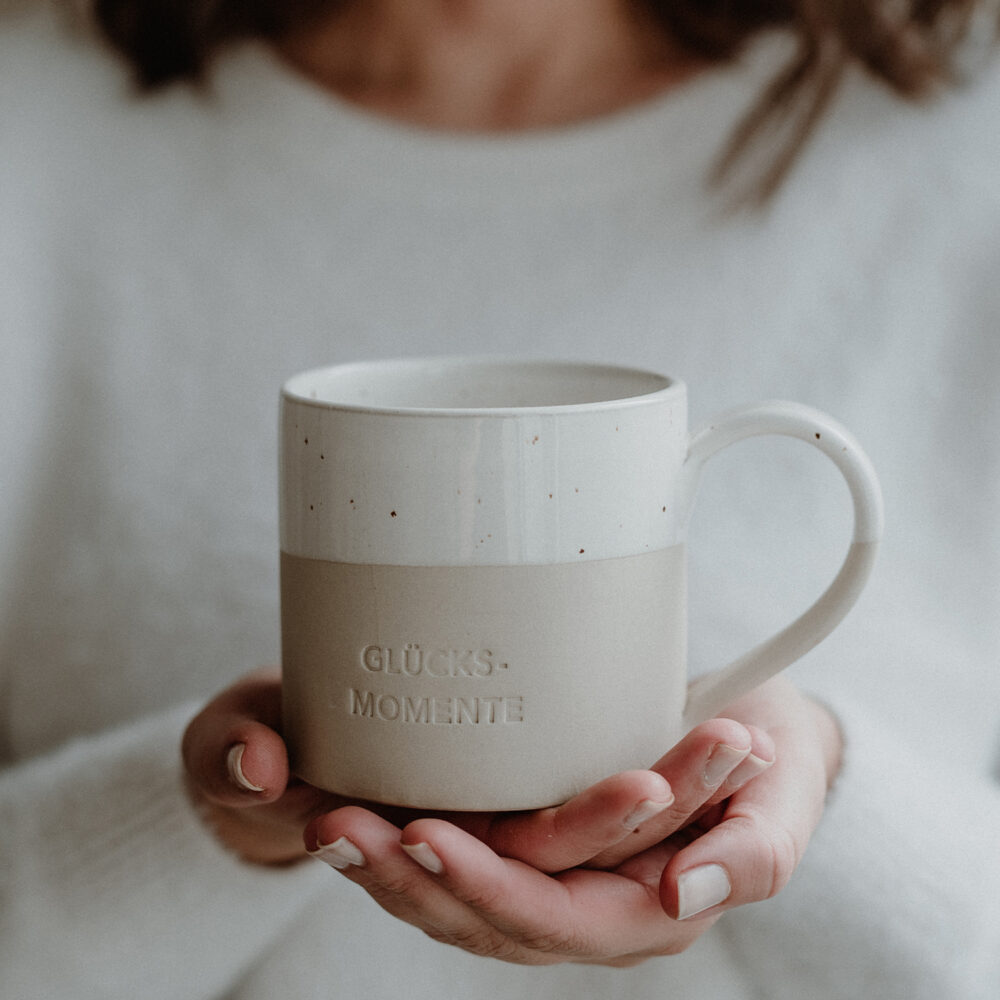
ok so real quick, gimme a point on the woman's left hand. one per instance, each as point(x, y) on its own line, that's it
point(531, 898)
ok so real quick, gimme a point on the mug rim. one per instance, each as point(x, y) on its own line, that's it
point(660, 386)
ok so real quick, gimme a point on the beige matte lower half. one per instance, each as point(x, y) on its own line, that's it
point(480, 687)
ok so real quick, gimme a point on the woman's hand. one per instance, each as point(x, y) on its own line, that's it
point(732, 834)
point(237, 772)
point(640, 864)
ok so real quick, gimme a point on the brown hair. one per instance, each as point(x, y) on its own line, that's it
point(909, 45)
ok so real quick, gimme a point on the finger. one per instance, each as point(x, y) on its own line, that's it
point(760, 758)
point(232, 753)
point(751, 854)
point(565, 836)
point(366, 849)
point(697, 769)
point(578, 915)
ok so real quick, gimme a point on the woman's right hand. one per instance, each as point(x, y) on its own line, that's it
point(654, 892)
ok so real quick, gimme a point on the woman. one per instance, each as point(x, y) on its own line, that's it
point(363, 179)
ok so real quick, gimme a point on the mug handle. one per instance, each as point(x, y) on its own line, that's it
point(709, 694)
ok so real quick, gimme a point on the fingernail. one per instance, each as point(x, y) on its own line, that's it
point(724, 758)
point(234, 764)
point(700, 889)
point(750, 768)
point(644, 812)
point(424, 856)
point(340, 854)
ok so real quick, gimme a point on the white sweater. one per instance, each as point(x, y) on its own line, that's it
point(165, 262)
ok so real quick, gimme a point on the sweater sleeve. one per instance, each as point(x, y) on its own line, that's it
point(899, 892)
point(110, 887)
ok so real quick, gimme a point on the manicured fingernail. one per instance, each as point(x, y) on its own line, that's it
point(234, 764)
point(340, 854)
point(750, 768)
point(700, 889)
point(644, 812)
point(723, 760)
point(424, 856)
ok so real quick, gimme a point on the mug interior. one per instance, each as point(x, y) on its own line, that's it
point(472, 384)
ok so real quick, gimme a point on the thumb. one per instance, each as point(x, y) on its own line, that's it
point(232, 752)
point(752, 853)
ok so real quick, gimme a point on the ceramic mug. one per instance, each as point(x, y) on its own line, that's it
point(483, 575)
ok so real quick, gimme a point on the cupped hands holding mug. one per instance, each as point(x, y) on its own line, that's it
point(637, 865)
point(582, 478)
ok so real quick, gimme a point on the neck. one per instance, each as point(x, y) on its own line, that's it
point(485, 65)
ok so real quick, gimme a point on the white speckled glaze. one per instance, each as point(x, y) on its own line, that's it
point(483, 600)
point(458, 462)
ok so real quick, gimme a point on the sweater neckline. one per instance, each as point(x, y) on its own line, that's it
point(673, 135)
